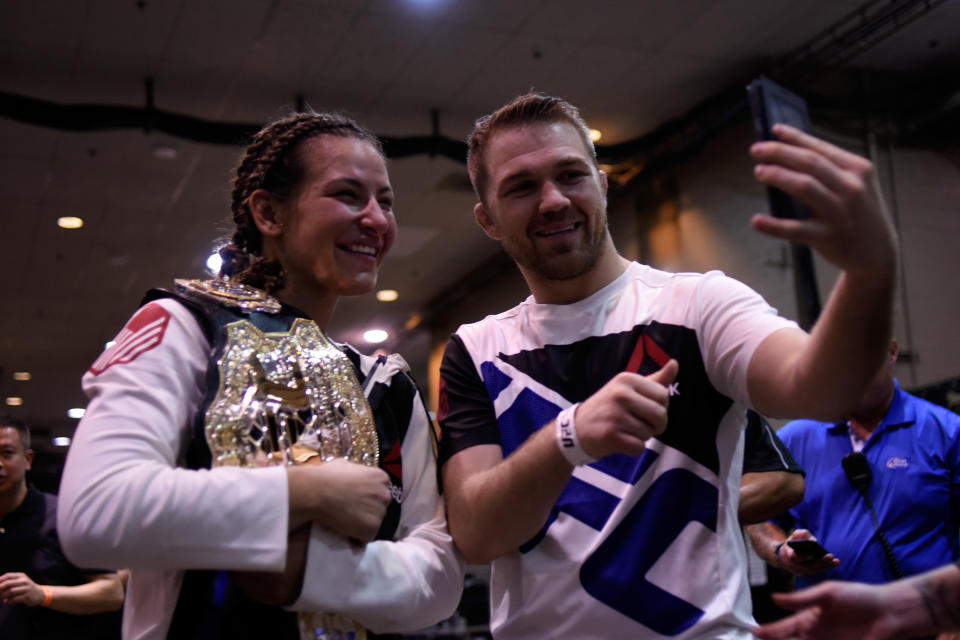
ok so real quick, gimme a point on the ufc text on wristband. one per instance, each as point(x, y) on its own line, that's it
point(567, 438)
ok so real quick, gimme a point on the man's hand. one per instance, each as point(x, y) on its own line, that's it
point(347, 498)
point(18, 588)
point(833, 611)
point(494, 504)
point(802, 565)
point(848, 226)
point(824, 375)
point(625, 412)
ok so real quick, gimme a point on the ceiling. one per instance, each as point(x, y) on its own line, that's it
point(154, 204)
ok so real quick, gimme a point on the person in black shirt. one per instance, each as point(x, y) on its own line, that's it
point(41, 592)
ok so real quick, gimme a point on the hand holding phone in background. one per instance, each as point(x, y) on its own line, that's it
point(807, 548)
point(801, 554)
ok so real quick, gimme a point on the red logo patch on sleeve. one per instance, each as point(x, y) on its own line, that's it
point(143, 332)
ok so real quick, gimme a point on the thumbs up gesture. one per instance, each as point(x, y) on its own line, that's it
point(625, 412)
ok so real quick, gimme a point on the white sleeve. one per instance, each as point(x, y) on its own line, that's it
point(123, 500)
point(733, 321)
point(409, 583)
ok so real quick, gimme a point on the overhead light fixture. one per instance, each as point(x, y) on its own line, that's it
point(14, 401)
point(61, 441)
point(214, 261)
point(387, 295)
point(375, 336)
point(69, 222)
point(21, 376)
point(413, 321)
point(595, 134)
point(76, 412)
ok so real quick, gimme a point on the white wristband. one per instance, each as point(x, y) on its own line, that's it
point(567, 438)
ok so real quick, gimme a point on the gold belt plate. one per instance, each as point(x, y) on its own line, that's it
point(285, 398)
point(291, 398)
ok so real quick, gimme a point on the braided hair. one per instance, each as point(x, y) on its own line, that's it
point(272, 162)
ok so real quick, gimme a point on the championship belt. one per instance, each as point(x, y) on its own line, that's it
point(285, 398)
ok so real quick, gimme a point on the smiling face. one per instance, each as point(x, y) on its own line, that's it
point(334, 230)
point(546, 201)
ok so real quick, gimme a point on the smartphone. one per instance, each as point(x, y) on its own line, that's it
point(810, 548)
point(770, 103)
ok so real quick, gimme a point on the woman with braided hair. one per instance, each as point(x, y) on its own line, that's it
point(242, 464)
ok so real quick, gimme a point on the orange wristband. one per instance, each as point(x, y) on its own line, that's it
point(47, 595)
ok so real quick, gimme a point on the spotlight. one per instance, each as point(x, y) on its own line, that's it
point(213, 262)
point(375, 336)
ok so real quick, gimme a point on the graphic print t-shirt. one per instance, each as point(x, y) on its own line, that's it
point(640, 547)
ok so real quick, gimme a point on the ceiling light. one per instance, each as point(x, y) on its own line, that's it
point(387, 295)
point(213, 262)
point(14, 401)
point(69, 222)
point(61, 441)
point(375, 336)
point(21, 376)
point(76, 412)
point(595, 134)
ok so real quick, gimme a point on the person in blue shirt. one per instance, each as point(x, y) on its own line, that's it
point(894, 510)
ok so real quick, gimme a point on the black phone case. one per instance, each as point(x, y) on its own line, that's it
point(808, 548)
point(770, 103)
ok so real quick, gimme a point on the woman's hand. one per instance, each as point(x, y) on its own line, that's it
point(345, 497)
